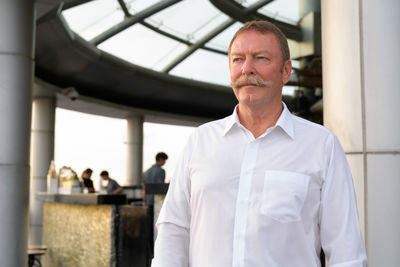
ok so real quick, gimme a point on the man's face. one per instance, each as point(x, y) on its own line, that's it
point(86, 175)
point(105, 177)
point(161, 162)
point(257, 56)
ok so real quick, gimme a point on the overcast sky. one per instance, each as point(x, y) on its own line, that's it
point(88, 141)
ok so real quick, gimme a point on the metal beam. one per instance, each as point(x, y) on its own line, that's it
point(198, 44)
point(124, 8)
point(238, 12)
point(132, 20)
point(256, 6)
point(179, 39)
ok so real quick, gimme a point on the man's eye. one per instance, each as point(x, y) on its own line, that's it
point(236, 59)
point(262, 58)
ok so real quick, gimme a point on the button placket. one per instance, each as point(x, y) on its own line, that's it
point(242, 202)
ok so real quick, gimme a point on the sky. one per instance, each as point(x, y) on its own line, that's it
point(89, 141)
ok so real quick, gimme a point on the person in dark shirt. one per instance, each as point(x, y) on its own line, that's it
point(155, 174)
point(112, 187)
point(87, 181)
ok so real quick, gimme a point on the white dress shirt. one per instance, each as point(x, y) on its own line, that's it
point(273, 201)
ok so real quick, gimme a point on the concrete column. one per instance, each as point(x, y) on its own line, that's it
point(361, 94)
point(134, 151)
point(42, 152)
point(16, 64)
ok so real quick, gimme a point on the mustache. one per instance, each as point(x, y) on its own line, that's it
point(250, 80)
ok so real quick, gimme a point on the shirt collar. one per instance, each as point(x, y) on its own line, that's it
point(285, 121)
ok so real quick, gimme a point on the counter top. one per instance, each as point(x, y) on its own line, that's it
point(86, 199)
point(157, 189)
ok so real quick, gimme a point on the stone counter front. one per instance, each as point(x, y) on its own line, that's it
point(86, 235)
point(78, 235)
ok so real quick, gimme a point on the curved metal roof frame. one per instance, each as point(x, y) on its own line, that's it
point(231, 8)
point(198, 44)
point(176, 38)
point(131, 20)
point(65, 59)
point(240, 13)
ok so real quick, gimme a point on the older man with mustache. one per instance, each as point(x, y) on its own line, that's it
point(260, 188)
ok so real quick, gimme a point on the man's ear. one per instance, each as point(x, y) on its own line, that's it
point(286, 71)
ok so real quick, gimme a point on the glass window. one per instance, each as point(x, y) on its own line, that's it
point(177, 19)
point(222, 40)
point(107, 13)
point(282, 10)
point(143, 47)
point(135, 6)
point(204, 66)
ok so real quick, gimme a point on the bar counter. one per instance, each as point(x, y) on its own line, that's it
point(93, 230)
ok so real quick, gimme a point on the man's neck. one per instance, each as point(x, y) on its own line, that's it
point(258, 119)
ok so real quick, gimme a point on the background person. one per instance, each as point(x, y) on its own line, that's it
point(112, 186)
point(155, 174)
point(87, 181)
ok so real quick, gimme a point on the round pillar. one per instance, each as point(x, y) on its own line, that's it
point(134, 151)
point(42, 152)
point(360, 64)
point(16, 64)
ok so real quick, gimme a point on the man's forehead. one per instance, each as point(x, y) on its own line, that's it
point(263, 44)
point(263, 37)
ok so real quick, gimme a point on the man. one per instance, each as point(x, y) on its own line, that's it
point(87, 181)
point(260, 188)
point(155, 174)
point(112, 187)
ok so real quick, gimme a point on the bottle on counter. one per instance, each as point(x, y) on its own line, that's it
point(52, 180)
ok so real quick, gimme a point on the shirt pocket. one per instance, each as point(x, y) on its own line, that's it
point(283, 195)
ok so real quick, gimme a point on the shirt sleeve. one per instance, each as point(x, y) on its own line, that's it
point(173, 224)
point(162, 176)
point(341, 237)
point(116, 184)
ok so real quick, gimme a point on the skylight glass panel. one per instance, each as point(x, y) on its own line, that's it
point(135, 6)
point(204, 66)
point(246, 3)
point(222, 40)
point(91, 19)
point(180, 21)
point(143, 47)
point(282, 10)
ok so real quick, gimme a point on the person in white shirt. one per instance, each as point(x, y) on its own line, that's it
point(262, 187)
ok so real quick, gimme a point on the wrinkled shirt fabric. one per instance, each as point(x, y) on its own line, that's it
point(271, 201)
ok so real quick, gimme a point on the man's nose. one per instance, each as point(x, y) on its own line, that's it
point(248, 67)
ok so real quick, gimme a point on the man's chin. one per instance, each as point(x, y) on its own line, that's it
point(250, 101)
point(249, 86)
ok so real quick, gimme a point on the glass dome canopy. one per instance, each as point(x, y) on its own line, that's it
point(166, 56)
point(186, 38)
